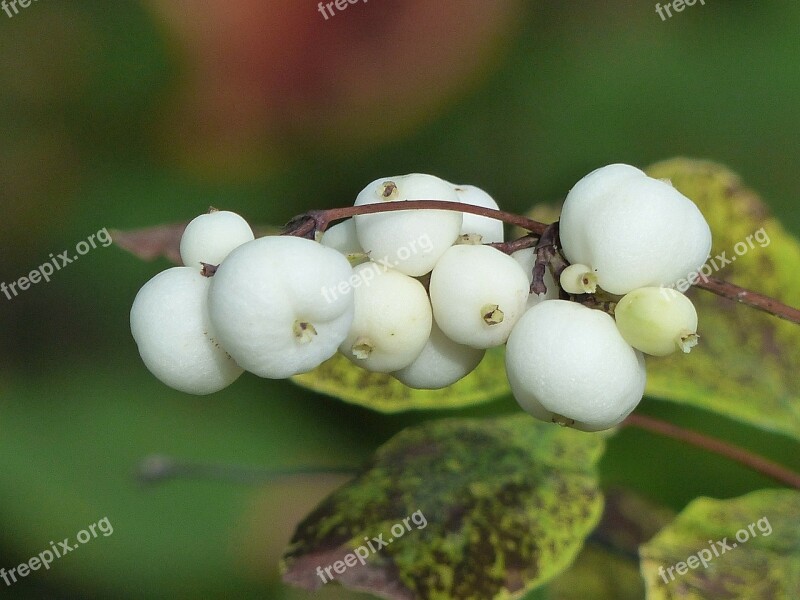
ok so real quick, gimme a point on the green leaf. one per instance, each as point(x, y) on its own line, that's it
point(608, 566)
point(506, 505)
point(748, 547)
point(745, 366)
point(598, 574)
point(340, 378)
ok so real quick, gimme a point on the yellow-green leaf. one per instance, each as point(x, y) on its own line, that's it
point(746, 365)
point(340, 378)
point(492, 507)
point(608, 566)
point(748, 547)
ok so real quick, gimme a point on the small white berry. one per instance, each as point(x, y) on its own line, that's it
point(410, 241)
point(343, 238)
point(578, 279)
point(441, 363)
point(657, 321)
point(392, 320)
point(632, 230)
point(281, 305)
point(477, 294)
point(175, 337)
point(490, 230)
point(568, 364)
point(211, 237)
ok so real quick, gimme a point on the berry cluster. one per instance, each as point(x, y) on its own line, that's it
point(421, 295)
point(627, 235)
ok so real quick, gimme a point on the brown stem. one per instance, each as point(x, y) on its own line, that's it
point(318, 220)
point(158, 469)
point(306, 225)
point(750, 298)
point(526, 241)
point(546, 249)
point(710, 444)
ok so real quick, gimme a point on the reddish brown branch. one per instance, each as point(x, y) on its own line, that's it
point(306, 225)
point(318, 220)
point(710, 444)
point(750, 298)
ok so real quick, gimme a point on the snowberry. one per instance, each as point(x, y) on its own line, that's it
point(477, 293)
point(632, 230)
point(411, 241)
point(578, 279)
point(343, 237)
point(568, 364)
point(281, 305)
point(441, 363)
point(175, 337)
point(490, 230)
point(210, 238)
point(392, 320)
point(526, 258)
point(657, 321)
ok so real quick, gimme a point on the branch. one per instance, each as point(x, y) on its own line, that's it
point(159, 469)
point(735, 453)
point(546, 249)
point(749, 298)
point(308, 224)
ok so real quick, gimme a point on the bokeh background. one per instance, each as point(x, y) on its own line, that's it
point(129, 114)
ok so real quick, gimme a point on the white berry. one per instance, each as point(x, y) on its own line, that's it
point(211, 237)
point(477, 294)
point(568, 364)
point(281, 305)
point(343, 238)
point(657, 321)
point(632, 230)
point(392, 320)
point(175, 337)
point(490, 230)
point(441, 363)
point(410, 241)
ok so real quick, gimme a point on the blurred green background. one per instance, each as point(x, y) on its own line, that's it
point(129, 114)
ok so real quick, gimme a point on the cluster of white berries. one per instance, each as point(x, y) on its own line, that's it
point(281, 305)
point(420, 294)
point(628, 235)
